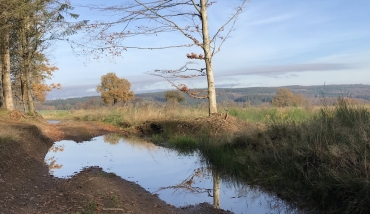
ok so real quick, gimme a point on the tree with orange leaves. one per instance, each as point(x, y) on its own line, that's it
point(114, 89)
point(43, 71)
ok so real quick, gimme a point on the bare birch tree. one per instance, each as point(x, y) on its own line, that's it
point(187, 17)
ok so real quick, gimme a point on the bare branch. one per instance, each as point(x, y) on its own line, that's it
point(223, 39)
point(172, 22)
point(196, 6)
point(192, 93)
point(233, 17)
point(172, 75)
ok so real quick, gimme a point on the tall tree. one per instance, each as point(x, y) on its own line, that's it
point(27, 28)
point(114, 89)
point(187, 17)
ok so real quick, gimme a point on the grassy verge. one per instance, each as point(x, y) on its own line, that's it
point(324, 160)
point(55, 114)
point(127, 116)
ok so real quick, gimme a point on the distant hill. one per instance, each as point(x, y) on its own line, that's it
point(253, 95)
point(265, 94)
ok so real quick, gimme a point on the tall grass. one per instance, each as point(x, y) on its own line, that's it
point(136, 115)
point(55, 114)
point(271, 114)
point(130, 115)
point(325, 159)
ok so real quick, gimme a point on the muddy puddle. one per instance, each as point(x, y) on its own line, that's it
point(177, 179)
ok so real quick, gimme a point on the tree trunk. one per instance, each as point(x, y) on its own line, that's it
point(208, 59)
point(23, 93)
point(31, 108)
point(27, 68)
point(21, 72)
point(1, 86)
point(7, 86)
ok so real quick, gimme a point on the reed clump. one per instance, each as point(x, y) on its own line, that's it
point(324, 160)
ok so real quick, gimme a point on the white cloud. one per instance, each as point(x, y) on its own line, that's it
point(272, 20)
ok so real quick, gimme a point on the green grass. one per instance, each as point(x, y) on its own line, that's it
point(3, 112)
point(56, 114)
point(127, 116)
point(115, 199)
point(91, 208)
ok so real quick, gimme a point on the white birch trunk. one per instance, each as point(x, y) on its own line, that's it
point(208, 59)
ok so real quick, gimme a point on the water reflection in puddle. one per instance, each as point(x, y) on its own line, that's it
point(53, 121)
point(178, 180)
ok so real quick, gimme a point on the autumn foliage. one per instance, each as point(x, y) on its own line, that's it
point(284, 97)
point(194, 56)
point(43, 72)
point(114, 89)
point(174, 96)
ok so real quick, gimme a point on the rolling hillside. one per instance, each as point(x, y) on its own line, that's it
point(254, 95)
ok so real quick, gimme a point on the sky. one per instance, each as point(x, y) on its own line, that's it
point(274, 43)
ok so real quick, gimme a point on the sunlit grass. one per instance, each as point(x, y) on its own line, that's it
point(325, 158)
point(272, 114)
point(127, 116)
point(130, 115)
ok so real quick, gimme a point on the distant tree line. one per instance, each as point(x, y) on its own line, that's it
point(235, 97)
point(255, 98)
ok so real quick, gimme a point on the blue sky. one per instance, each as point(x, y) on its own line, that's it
point(275, 43)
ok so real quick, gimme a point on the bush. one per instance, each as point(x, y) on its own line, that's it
point(284, 97)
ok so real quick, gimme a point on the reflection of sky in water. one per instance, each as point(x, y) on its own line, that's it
point(53, 121)
point(154, 168)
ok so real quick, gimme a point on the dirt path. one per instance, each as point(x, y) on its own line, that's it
point(27, 187)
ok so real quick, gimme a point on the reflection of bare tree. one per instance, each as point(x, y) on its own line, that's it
point(112, 139)
point(187, 184)
point(200, 174)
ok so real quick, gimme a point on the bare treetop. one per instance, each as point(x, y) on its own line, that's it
point(154, 18)
point(188, 18)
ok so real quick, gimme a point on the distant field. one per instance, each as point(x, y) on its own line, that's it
point(135, 115)
point(55, 114)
